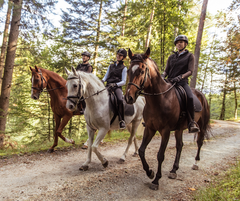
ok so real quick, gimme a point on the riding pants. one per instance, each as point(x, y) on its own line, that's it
point(119, 95)
point(190, 104)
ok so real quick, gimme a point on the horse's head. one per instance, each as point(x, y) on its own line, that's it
point(39, 82)
point(75, 89)
point(138, 74)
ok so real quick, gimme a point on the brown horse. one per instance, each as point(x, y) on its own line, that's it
point(56, 87)
point(161, 112)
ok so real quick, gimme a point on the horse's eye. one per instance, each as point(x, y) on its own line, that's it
point(75, 86)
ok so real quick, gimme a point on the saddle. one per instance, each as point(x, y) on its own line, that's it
point(128, 109)
point(182, 98)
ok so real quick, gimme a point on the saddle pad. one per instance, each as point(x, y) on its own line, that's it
point(128, 109)
point(181, 94)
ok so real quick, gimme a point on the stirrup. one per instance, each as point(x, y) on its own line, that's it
point(194, 129)
point(124, 125)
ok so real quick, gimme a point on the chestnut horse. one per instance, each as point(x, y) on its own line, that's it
point(56, 87)
point(161, 112)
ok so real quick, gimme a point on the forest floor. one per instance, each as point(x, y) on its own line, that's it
point(56, 176)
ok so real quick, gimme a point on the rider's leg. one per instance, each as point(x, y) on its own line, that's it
point(192, 125)
point(119, 95)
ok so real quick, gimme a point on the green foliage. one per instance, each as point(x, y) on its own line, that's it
point(224, 188)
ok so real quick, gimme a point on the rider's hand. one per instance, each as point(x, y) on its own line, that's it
point(112, 85)
point(177, 79)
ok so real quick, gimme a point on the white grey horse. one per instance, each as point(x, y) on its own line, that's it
point(98, 113)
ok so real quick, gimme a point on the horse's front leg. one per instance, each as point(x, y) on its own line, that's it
point(179, 145)
point(101, 134)
point(165, 138)
point(63, 123)
point(132, 129)
point(91, 133)
point(55, 143)
point(147, 137)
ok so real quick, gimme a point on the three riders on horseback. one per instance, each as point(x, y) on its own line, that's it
point(180, 66)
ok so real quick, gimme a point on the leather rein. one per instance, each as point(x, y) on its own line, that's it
point(80, 98)
point(141, 87)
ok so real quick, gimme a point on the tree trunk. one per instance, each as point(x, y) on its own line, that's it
point(150, 26)
point(210, 94)
point(222, 115)
point(198, 43)
point(124, 18)
point(97, 39)
point(236, 101)
point(5, 37)
point(8, 70)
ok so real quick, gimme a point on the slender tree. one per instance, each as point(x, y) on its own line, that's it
point(5, 37)
point(198, 43)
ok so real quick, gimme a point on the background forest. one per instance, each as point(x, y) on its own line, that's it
point(53, 34)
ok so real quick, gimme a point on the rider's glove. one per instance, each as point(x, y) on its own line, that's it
point(112, 85)
point(177, 79)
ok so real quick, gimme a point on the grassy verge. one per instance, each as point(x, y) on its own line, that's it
point(225, 188)
point(20, 149)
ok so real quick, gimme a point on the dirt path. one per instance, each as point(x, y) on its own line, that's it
point(56, 176)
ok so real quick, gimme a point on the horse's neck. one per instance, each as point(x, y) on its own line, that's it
point(54, 83)
point(98, 99)
point(157, 85)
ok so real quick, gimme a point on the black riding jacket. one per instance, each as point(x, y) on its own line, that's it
point(84, 67)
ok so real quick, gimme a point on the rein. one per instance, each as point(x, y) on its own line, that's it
point(78, 94)
point(141, 87)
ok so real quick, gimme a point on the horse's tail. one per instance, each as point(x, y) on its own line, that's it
point(204, 121)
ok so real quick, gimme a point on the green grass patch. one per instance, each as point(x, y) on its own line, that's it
point(225, 188)
point(114, 137)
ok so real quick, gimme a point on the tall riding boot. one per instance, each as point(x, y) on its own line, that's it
point(121, 115)
point(192, 125)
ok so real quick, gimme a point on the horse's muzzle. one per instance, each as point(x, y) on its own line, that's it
point(129, 99)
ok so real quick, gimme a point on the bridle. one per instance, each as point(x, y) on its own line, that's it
point(42, 78)
point(147, 74)
point(42, 88)
point(78, 97)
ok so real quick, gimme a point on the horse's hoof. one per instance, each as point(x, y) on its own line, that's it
point(135, 155)
point(154, 187)
point(84, 146)
point(152, 174)
point(105, 164)
point(84, 168)
point(172, 175)
point(50, 150)
point(73, 142)
point(195, 167)
point(121, 161)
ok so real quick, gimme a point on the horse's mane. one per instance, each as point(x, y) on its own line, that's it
point(54, 75)
point(95, 81)
point(142, 57)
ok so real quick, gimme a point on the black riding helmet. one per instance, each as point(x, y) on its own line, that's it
point(181, 37)
point(122, 52)
point(87, 54)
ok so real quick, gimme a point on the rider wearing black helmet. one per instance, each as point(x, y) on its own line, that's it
point(116, 77)
point(85, 66)
point(180, 66)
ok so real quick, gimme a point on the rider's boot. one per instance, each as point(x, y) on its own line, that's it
point(192, 125)
point(121, 116)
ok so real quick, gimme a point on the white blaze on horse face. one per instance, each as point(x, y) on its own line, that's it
point(134, 68)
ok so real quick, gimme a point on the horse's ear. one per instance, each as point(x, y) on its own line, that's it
point(147, 53)
point(30, 68)
point(74, 71)
point(130, 54)
point(67, 71)
point(36, 68)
